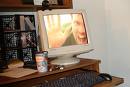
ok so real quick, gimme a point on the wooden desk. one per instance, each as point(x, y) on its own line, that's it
point(38, 78)
point(116, 81)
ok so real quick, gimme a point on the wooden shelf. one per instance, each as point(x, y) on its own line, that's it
point(14, 5)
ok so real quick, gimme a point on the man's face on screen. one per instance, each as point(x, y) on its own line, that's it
point(78, 29)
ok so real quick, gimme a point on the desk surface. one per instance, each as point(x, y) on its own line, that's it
point(115, 81)
point(90, 64)
point(83, 63)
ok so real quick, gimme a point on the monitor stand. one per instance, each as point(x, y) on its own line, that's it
point(65, 60)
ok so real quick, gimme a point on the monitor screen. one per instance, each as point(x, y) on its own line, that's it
point(64, 32)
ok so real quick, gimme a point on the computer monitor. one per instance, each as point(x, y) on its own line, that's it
point(64, 33)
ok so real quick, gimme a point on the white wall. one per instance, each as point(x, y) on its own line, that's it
point(96, 20)
point(109, 21)
point(118, 31)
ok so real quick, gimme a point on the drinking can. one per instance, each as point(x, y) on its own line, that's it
point(41, 61)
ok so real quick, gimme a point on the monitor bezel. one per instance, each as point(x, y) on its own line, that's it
point(73, 49)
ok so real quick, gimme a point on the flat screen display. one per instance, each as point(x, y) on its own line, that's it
point(65, 30)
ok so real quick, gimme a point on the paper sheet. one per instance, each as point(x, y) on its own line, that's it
point(18, 72)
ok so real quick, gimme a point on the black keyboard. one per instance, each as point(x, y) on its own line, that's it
point(80, 79)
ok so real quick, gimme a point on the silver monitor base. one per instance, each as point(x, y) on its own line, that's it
point(65, 60)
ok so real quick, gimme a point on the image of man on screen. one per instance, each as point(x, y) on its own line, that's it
point(79, 35)
point(64, 30)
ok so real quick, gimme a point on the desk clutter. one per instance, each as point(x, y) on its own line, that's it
point(79, 75)
point(86, 78)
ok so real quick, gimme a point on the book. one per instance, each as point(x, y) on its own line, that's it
point(22, 23)
point(29, 23)
point(17, 22)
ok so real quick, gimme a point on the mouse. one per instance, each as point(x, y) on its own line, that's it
point(106, 76)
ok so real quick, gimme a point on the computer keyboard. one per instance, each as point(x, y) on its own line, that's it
point(79, 79)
